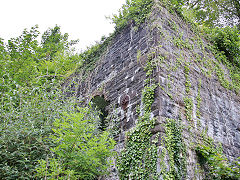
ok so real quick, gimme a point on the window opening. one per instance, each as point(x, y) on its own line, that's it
point(100, 104)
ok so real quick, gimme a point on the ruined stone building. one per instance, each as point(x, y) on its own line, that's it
point(190, 86)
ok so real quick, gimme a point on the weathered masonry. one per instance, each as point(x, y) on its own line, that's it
point(188, 88)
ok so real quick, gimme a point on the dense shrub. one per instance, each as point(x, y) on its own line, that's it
point(31, 100)
point(227, 40)
point(26, 119)
point(81, 151)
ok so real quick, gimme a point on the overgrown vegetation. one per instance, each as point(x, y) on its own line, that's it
point(224, 35)
point(227, 40)
point(138, 160)
point(213, 161)
point(226, 45)
point(41, 129)
point(207, 14)
point(81, 150)
point(135, 11)
point(44, 135)
point(176, 151)
point(27, 61)
point(26, 120)
point(216, 13)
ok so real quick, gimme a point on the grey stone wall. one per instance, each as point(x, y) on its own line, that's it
point(119, 76)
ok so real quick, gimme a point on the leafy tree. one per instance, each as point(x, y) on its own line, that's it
point(63, 65)
point(58, 59)
point(26, 116)
point(54, 41)
point(216, 13)
point(31, 100)
point(26, 60)
point(24, 55)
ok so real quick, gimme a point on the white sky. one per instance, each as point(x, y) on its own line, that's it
point(81, 19)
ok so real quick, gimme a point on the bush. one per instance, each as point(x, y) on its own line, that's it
point(31, 100)
point(26, 116)
point(82, 150)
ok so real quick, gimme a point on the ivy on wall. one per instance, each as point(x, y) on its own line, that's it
point(176, 150)
point(214, 162)
point(139, 158)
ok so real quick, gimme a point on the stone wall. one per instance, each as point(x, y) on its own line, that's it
point(170, 42)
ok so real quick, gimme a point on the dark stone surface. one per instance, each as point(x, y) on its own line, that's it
point(118, 73)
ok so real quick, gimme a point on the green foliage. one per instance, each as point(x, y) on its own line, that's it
point(148, 96)
point(199, 100)
point(179, 42)
point(227, 40)
point(26, 117)
point(173, 5)
point(31, 100)
point(228, 55)
point(176, 150)
point(173, 25)
point(188, 108)
point(149, 89)
point(151, 64)
point(61, 66)
point(53, 41)
point(187, 100)
point(215, 13)
point(53, 170)
point(139, 158)
point(134, 10)
point(80, 147)
point(23, 55)
point(187, 79)
point(26, 60)
point(215, 163)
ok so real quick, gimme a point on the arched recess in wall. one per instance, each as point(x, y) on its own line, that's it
point(100, 104)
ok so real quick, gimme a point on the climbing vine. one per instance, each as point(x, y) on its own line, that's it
point(138, 160)
point(134, 158)
point(187, 79)
point(213, 161)
point(179, 42)
point(148, 96)
point(187, 100)
point(176, 150)
point(199, 100)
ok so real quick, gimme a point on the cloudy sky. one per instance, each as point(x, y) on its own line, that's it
point(81, 19)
